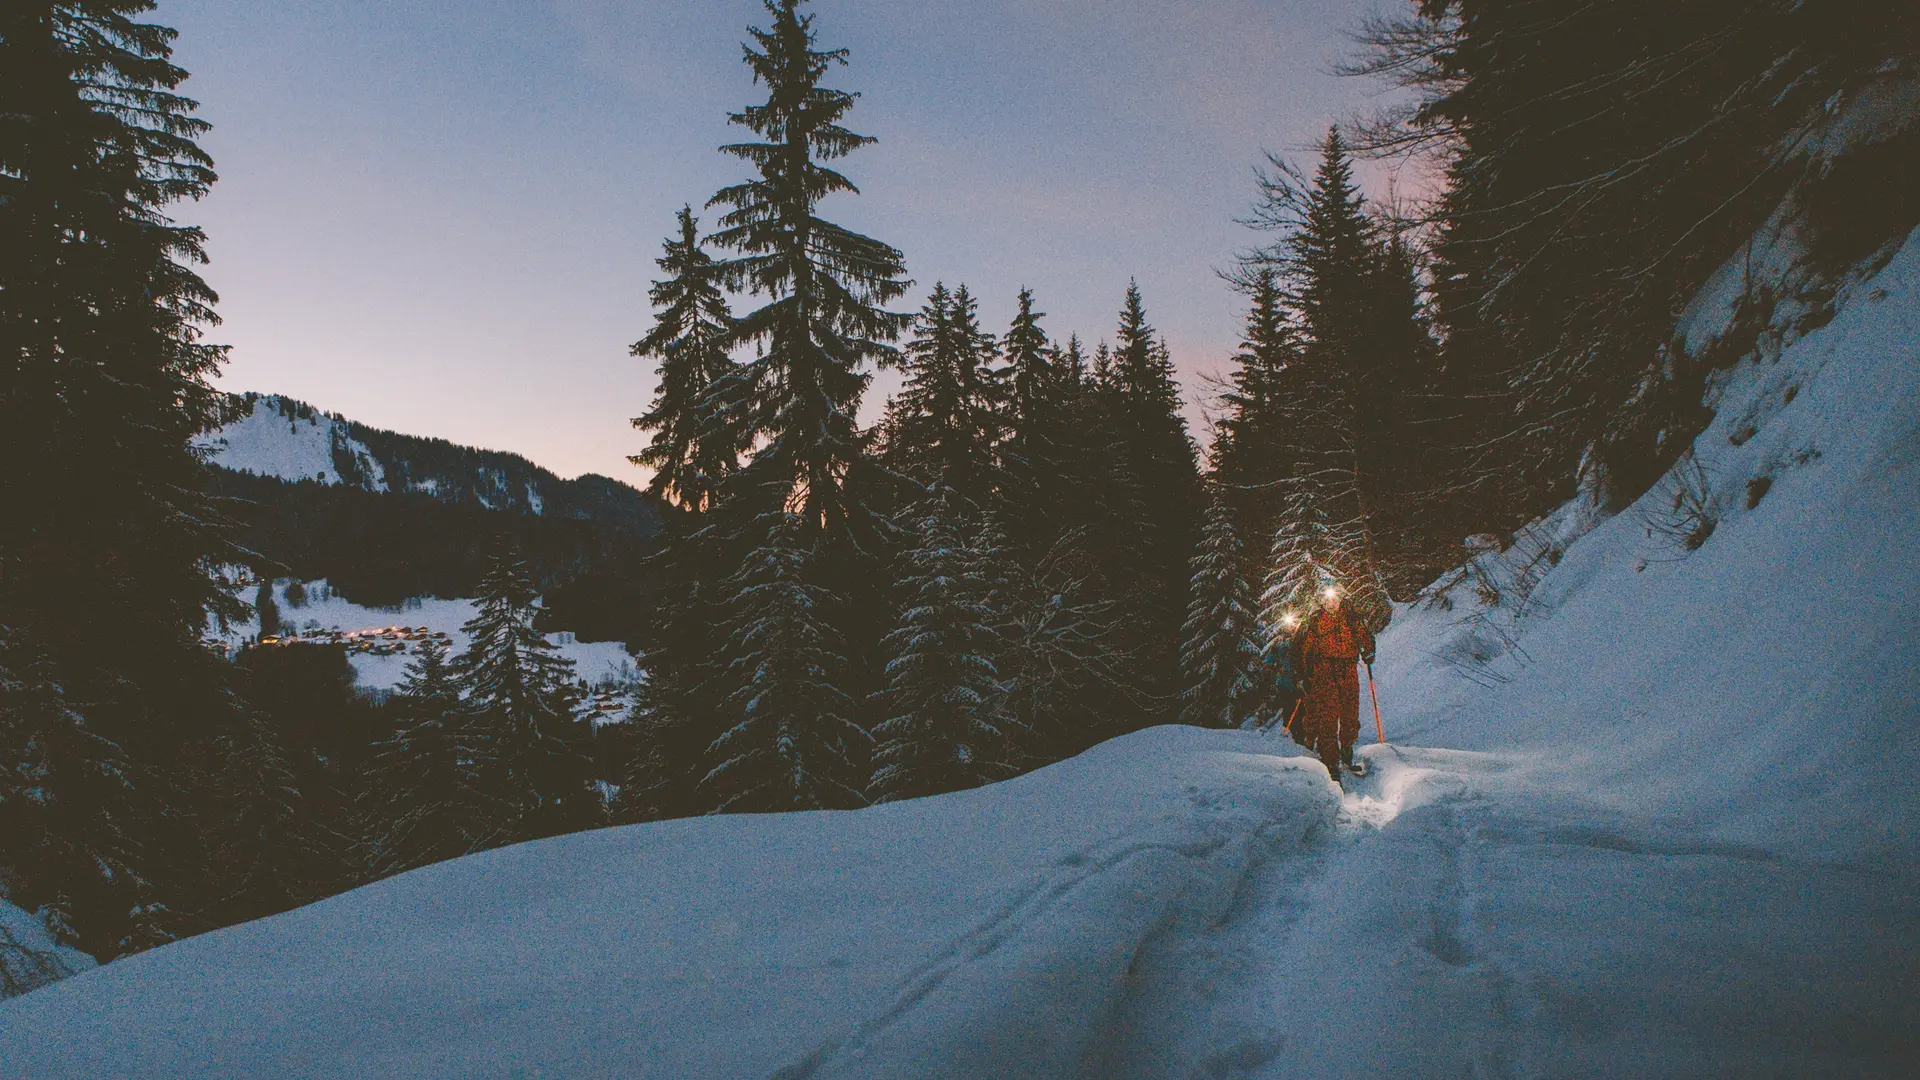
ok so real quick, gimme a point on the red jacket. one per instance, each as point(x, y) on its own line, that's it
point(1335, 636)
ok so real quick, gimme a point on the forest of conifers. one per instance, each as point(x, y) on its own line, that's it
point(1027, 554)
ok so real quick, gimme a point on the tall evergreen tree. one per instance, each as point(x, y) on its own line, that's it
point(1221, 649)
point(796, 741)
point(103, 382)
point(1059, 656)
point(799, 506)
point(941, 427)
point(518, 689)
point(696, 443)
point(827, 286)
point(1038, 387)
point(943, 727)
point(1339, 441)
point(423, 800)
point(1159, 519)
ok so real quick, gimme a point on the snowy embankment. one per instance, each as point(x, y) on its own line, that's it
point(597, 662)
point(1664, 826)
point(992, 926)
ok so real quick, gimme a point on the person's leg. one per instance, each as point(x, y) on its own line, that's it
point(1349, 711)
point(1324, 704)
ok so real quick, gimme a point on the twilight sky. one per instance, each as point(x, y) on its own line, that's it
point(441, 216)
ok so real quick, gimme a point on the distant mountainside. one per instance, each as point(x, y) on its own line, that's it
point(274, 436)
point(385, 517)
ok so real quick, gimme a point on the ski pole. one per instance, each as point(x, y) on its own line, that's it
point(1374, 692)
point(1288, 726)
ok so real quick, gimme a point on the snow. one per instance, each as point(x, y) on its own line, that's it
point(266, 442)
point(929, 933)
point(596, 662)
point(1668, 830)
point(29, 957)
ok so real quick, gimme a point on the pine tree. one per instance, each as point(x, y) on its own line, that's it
point(1159, 505)
point(519, 691)
point(1220, 653)
point(103, 382)
point(823, 325)
point(1059, 658)
point(796, 742)
point(941, 427)
point(60, 788)
point(1031, 379)
point(1038, 387)
point(696, 443)
point(827, 286)
point(1247, 452)
point(422, 800)
point(1336, 431)
point(271, 851)
point(943, 729)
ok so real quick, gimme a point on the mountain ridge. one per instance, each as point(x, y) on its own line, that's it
point(281, 437)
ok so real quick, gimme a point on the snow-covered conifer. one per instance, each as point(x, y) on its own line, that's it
point(105, 381)
point(1221, 650)
point(796, 742)
point(520, 694)
point(943, 727)
point(696, 444)
point(1056, 657)
point(826, 286)
point(422, 799)
point(942, 427)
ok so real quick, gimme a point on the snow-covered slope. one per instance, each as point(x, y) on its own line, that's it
point(272, 436)
point(1666, 829)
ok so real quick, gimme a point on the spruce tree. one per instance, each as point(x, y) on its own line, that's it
point(103, 382)
point(696, 443)
point(943, 698)
point(1061, 665)
point(800, 504)
point(1248, 452)
point(824, 320)
point(422, 800)
point(273, 850)
point(1338, 436)
point(537, 776)
point(1221, 649)
point(941, 427)
point(1037, 387)
point(1160, 515)
point(796, 740)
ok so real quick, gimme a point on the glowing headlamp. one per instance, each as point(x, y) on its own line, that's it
point(1330, 593)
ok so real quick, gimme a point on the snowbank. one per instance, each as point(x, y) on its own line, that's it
point(29, 957)
point(987, 933)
